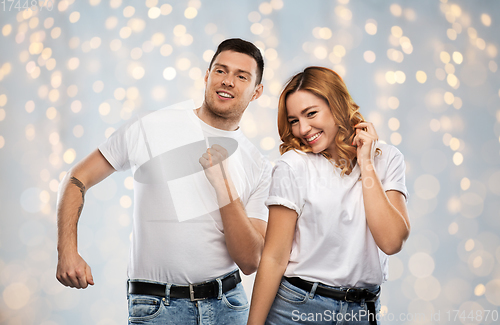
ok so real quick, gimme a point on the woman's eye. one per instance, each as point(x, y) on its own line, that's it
point(310, 114)
point(292, 122)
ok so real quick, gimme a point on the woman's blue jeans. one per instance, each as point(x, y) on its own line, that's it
point(293, 305)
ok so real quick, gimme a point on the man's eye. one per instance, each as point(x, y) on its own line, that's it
point(219, 71)
point(242, 77)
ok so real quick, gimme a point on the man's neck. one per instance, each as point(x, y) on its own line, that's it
point(218, 122)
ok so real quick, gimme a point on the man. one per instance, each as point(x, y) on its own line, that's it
point(185, 254)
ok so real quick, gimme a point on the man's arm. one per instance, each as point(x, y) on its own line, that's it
point(72, 270)
point(244, 236)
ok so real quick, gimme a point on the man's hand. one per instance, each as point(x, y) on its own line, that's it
point(73, 271)
point(214, 162)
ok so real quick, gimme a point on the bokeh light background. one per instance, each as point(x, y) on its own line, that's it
point(424, 72)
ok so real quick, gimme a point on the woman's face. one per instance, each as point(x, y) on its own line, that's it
point(312, 121)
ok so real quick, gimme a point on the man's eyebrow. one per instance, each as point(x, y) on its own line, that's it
point(227, 68)
point(303, 111)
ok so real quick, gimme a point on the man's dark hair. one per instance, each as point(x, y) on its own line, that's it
point(242, 46)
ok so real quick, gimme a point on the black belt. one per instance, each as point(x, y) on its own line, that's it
point(347, 294)
point(194, 292)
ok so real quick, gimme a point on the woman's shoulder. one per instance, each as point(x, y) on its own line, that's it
point(388, 150)
point(295, 159)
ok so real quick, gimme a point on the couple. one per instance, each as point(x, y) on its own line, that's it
point(336, 205)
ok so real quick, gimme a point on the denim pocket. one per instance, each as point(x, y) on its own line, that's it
point(236, 298)
point(142, 307)
point(292, 294)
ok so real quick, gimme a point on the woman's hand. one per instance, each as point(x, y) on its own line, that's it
point(366, 142)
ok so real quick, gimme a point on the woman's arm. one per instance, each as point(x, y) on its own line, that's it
point(386, 213)
point(277, 247)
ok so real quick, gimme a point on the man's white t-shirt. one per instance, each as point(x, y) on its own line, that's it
point(332, 243)
point(178, 235)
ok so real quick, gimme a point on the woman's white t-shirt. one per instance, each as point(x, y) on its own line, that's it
point(332, 243)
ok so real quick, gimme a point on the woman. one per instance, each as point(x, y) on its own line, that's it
point(337, 208)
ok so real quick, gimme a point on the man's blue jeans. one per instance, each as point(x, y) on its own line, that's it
point(230, 308)
point(293, 305)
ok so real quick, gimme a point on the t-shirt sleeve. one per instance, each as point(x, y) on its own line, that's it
point(285, 189)
point(395, 175)
point(255, 207)
point(115, 150)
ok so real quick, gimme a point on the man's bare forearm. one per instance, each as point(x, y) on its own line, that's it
point(69, 209)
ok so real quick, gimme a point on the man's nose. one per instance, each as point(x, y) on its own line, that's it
point(228, 80)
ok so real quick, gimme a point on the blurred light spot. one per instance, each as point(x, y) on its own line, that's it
point(159, 92)
point(325, 33)
point(469, 245)
point(421, 265)
point(479, 290)
point(166, 50)
point(369, 56)
point(481, 263)
point(272, 54)
point(109, 131)
point(396, 138)
point(29, 106)
point(51, 113)
point(427, 288)
point(445, 57)
point(458, 158)
point(339, 50)
point(154, 12)
point(125, 201)
point(452, 34)
point(129, 183)
point(393, 102)
point(48, 23)
point(465, 184)
point(452, 80)
point(78, 131)
point(396, 31)
point(158, 39)
point(73, 63)
point(257, 28)
point(183, 64)
point(267, 143)
point(486, 19)
point(16, 295)
point(179, 30)
point(119, 93)
point(395, 55)
point(457, 103)
point(54, 138)
point(54, 185)
point(396, 10)
point(426, 186)
point(492, 292)
point(166, 9)
point(132, 93)
point(169, 73)
point(98, 86)
point(2, 142)
point(195, 73)
point(76, 106)
point(104, 109)
point(471, 205)
point(55, 33)
point(320, 52)
point(457, 57)
point(453, 228)
point(211, 28)
point(74, 17)
point(69, 156)
point(277, 4)
point(138, 72)
point(128, 11)
point(421, 76)
point(2, 114)
point(63, 5)
point(393, 124)
point(371, 27)
point(343, 12)
point(265, 8)
point(51, 64)
point(30, 132)
point(190, 12)
point(6, 30)
point(53, 96)
point(125, 32)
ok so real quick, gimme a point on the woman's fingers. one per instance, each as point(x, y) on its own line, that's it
point(368, 126)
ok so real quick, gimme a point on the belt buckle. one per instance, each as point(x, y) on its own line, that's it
point(191, 294)
point(346, 293)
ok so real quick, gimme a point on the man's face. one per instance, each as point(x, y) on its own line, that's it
point(230, 84)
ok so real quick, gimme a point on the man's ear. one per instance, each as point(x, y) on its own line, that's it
point(206, 76)
point(258, 92)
